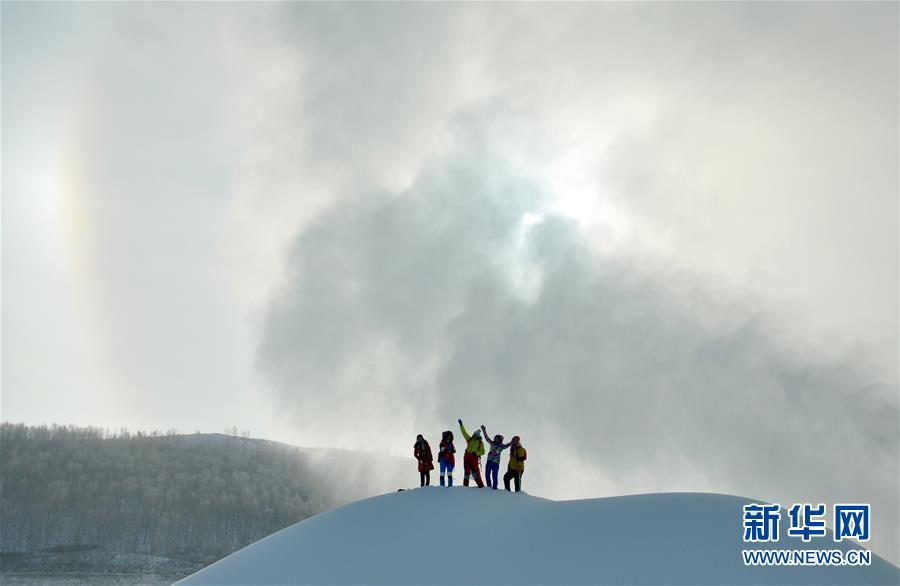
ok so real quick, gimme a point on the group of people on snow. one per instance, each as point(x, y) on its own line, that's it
point(472, 458)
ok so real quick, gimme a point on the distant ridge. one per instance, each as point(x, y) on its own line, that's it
point(193, 497)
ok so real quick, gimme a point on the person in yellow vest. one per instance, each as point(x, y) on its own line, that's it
point(516, 468)
point(471, 459)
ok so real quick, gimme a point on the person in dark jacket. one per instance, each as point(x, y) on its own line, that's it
point(516, 467)
point(422, 452)
point(446, 458)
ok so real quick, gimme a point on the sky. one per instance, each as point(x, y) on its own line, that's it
point(658, 241)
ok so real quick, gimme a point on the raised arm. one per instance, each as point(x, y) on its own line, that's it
point(462, 428)
point(487, 438)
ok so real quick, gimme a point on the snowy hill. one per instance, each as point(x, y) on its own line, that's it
point(459, 535)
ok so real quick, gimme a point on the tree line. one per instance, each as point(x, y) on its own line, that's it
point(193, 497)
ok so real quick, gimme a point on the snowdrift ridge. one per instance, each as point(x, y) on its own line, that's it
point(479, 536)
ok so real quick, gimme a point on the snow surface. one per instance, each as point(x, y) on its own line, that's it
point(479, 536)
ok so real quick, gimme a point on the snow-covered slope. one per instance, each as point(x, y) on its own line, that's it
point(472, 536)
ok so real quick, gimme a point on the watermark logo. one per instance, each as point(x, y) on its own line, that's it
point(807, 522)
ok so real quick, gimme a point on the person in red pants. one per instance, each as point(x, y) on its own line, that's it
point(472, 457)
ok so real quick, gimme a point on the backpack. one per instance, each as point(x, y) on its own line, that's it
point(524, 455)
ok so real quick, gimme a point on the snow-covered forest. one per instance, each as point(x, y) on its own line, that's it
point(191, 497)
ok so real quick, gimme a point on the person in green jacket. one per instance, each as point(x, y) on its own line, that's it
point(471, 459)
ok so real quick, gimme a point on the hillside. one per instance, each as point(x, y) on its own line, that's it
point(190, 497)
point(443, 536)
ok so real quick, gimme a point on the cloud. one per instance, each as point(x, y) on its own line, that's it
point(735, 135)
